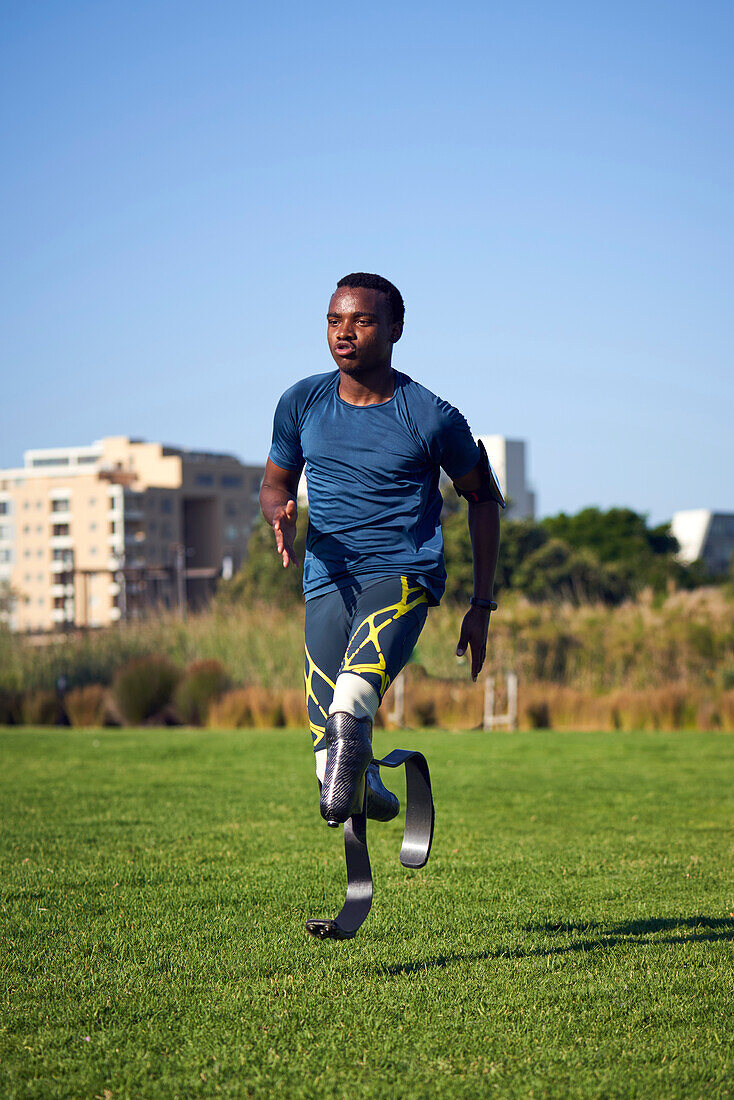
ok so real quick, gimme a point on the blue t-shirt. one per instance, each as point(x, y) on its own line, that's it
point(372, 474)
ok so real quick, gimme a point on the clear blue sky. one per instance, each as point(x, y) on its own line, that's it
point(550, 185)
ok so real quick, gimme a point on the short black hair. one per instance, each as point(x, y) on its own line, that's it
point(376, 282)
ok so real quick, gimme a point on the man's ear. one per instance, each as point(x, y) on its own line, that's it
point(396, 331)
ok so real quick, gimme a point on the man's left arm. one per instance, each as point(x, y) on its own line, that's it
point(484, 529)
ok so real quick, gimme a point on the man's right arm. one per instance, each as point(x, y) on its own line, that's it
point(278, 505)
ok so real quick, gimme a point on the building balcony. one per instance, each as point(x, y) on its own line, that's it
point(61, 566)
point(115, 613)
point(113, 588)
point(58, 615)
point(61, 542)
point(61, 590)
point(60, 517)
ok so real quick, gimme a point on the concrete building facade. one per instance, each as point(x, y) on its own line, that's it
point(705, 536)
point(508, 460)
point(92, 534)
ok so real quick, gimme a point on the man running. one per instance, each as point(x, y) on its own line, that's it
point(373, 443)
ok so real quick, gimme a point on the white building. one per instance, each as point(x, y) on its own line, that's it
point(507, 458)
point(705, 536)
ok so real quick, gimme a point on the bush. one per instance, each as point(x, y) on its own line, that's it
point(202, 684)
point(41, 708)
point(259, 707)
point(87, 706)
point(268, 710)
point(231, 711)
point(11, 707)
point(143, 688)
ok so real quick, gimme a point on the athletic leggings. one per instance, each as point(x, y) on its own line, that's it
point(370, 632)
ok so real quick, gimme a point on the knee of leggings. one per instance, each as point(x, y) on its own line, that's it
point(354, 695)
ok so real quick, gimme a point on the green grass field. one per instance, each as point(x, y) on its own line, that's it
point(571, 935)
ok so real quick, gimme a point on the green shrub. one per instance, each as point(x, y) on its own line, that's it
point(203, 682)
point(143, 688)
point(87, 706)
point(41, 708)
point(11, 707)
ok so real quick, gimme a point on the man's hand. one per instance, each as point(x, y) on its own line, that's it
point(474, 629)
point(284, 525)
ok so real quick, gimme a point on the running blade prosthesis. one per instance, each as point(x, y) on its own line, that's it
point(414, 853)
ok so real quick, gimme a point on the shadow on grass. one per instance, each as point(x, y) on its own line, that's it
point(690, 930)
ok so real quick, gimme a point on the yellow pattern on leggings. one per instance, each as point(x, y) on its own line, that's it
point(411, 597)
point(311, 670)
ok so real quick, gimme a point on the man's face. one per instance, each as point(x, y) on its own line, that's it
point(360, 329)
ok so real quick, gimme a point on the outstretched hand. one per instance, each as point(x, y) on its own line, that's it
point(474, 628)
point(284, 525)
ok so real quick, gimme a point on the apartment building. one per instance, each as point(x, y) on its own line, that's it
point(92, 534)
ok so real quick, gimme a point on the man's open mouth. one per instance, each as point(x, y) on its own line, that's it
point(343, 347)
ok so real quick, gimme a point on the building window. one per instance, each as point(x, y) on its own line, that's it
point(60, 504)
point(166, 505)
point(92, 502)
point(5, 555)
point(86, 460)
point(93, 551)
point(205, 480)
point(92, 526)
point(60, 529)
point(113, 527)
point(50, 461)
point(4, 507)
point(231, 481)
point(6, 532)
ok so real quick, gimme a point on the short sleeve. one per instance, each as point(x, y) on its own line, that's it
point(453, 446)
point(285, 450)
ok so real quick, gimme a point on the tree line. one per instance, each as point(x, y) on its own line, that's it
point(594, 555)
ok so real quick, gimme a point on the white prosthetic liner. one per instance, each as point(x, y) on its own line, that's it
point(354, 695)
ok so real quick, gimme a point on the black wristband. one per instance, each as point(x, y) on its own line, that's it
point(488, 605)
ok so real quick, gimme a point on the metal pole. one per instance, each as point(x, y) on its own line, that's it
point(181, 579)
point(397, 714)
point(512, 700)
point(488, 717)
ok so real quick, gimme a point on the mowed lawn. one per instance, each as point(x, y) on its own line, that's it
point(571, 936)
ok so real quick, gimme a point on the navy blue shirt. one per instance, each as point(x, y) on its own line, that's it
point(372, 473)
